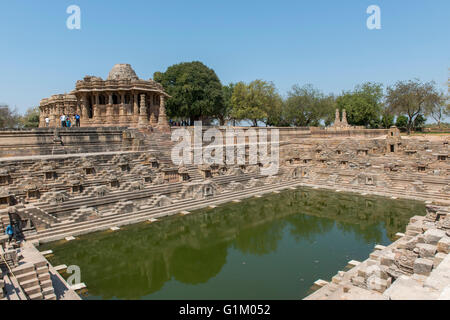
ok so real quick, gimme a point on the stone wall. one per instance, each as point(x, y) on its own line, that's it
point(47, 141)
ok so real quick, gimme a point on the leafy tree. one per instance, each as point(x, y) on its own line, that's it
point(306, 106)
point(402, 121)
point(257, 101)
point(439, 110)
point(419, 122)
point(8, 118)
point(387, 120)
point(363, 105)
point(195, 89)
point(412, 98)
point(31, 118)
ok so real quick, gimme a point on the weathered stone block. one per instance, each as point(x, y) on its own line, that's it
point(438, 259)
point(432, 236)
point(443, 245)
point(426, 250)
point(387, 259)
point(377, 284)
point(423, 266)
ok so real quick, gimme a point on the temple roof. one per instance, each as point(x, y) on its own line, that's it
point(122, 72)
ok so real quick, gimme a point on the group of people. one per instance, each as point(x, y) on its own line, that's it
point(65, 120)
point(182, 123)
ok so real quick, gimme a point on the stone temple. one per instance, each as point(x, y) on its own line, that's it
point(122, 99)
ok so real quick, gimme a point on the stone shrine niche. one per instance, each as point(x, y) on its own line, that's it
point(49, 173)
point(5, 178)
point(5, 198)
point(124, 166)
point(171, 175)
point(88, 167)
point(76, 187)
point(32, 191)
point(113, 181)
point(184, 174)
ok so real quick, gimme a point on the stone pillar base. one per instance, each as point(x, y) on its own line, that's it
point(163, 124)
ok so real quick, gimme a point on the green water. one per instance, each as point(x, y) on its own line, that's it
point(273, 247)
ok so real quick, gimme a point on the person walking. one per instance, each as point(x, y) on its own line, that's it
point(63, 120)
point(10, 232)
point(77, 120)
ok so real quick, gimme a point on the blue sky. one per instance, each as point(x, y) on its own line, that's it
point(325, 43)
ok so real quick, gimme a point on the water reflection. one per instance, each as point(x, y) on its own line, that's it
point(192, 250)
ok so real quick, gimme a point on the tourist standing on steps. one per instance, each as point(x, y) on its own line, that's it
point(68, 123)
point(9, 232)
point(77, 120)
point(63, 120)
point(47, 121)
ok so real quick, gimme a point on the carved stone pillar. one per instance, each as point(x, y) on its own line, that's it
point(143, 121)
point(109, 108)
point(96, 110)
point(153, 118)
point(84, 111)
point(122, 111)
point(53, 118)
point(163, 124)
point(135, 109)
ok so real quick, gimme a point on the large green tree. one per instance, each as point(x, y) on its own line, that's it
point(413, 98)
point(440, 110)
point(307, 106)
point(363, 104)
point(195, 90)
point(31, 118)
point(9, 118)
point(256, 101)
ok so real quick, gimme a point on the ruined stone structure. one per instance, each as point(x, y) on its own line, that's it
point(65, 194)
point(340, 123)
point(121, 100)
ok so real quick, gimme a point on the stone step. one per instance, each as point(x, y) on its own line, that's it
point(40, 264)
point(47, 291)
point(29, 283)
point(22, 269)
point(44, 277)
point(32, 290)
point(26, 276)
point(46, 284)
point(50, 296)
point(36, 296)
point(42, 270)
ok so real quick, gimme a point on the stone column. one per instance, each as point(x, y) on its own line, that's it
point(122, 111)
point(337, 120)
point(84, 112)
point(41, 118)
point(53, 117)
point(153, 118)
point(143, 121)
point(109, 108)
point(163, 124)
point(96, 110)
point(344, 122)
point(135, 110)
